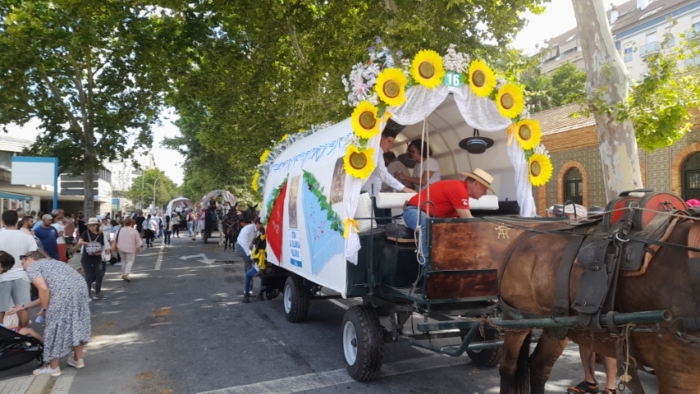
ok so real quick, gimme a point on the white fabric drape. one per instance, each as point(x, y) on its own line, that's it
point(479, 113)
point(522, 180)
point(353, 188)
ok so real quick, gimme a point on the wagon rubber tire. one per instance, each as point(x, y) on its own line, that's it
point(295, 299)
point(362, 343)
point(485, 357)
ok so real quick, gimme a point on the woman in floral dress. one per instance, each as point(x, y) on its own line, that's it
point(65, 304)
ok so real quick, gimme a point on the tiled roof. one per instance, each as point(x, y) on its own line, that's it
point(629, 13)
point(557, 120)
point(7, 138)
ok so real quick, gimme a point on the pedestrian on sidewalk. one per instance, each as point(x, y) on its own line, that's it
point(128, 244)
point(48, 236)
point(176, 225)
point(65, 304)
point(93, 242)
point(149, 229)
point(14, 283)
point(159, 218)
point(190, 223)
point(168, 230)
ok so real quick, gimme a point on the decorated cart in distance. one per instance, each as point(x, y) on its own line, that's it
point(212, 217)
point(320, 227)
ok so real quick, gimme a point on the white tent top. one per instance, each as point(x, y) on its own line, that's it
point(226, 195)
point(176, 202)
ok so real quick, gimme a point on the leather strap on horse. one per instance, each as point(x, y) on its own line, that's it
point(694, 263)
point(561, 289)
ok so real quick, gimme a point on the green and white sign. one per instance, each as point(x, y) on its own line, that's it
point(453, 79)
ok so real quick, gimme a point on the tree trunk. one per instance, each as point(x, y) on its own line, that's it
point(89, 202)
point(607, 80)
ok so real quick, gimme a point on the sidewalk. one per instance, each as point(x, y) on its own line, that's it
point(16, 385)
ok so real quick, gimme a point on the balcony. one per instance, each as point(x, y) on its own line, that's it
point(650, 48)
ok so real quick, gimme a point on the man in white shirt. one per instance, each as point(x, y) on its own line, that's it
point(14, 284)
point(380, 173)
point(244, 243)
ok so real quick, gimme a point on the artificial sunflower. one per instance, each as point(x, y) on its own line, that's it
point(359, 163)
point(264, 156)
point(481, 79)
point(510, 100)
point(256, 180)
point(540, 169)
point(284, 137)
point(427, 69)
point(391, 86)
point(364, 120)
point(528, 133)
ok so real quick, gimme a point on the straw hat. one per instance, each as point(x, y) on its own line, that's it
point(92, 221)
point(482, 177)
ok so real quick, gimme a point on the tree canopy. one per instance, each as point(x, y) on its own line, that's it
point(253, 71)
point(165, 189)
point(92, 72)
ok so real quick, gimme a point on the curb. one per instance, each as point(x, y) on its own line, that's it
point(41, 384)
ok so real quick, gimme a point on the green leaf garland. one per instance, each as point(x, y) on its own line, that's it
point(317, 191)
point(271, 202)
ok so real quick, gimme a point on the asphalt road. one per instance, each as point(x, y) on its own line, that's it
point(180, 327)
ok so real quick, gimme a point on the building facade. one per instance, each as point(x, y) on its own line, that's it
point(639, 28)
point(578, 172)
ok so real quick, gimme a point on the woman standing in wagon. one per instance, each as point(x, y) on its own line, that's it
point(65, 304)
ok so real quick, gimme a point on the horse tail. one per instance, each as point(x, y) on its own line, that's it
point(520, 384)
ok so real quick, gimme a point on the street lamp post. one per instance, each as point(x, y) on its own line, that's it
point(154, 193)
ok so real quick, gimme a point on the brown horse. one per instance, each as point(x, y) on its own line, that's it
point(527, 285)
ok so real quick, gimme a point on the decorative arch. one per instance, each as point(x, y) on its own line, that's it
point(560, 181)
point(677, 167)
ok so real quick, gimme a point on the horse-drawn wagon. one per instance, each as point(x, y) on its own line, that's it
point(321, 231)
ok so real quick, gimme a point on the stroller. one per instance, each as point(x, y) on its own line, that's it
point(17, 349)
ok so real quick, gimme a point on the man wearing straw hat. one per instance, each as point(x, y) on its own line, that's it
point(450, 199)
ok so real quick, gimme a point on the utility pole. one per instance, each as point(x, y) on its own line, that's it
point(154, 193)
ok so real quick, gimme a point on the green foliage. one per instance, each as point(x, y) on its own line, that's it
point(538, 88)
point(166, 189)
point(317, 191)
point(272, 200)
point(92, 72)
point(660, 106)
point(251, 71)
point(568, 85)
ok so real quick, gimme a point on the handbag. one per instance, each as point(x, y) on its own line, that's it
point(116, 239)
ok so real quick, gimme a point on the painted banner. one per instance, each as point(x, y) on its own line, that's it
point(305, 193)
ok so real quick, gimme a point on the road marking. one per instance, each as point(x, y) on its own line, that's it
point(295, 384)
point(340, 304)
point(160, 257)
point(204, 259)
point(63, 383)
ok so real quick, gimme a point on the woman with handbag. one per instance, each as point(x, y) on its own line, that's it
point(93, 243)
point(128, 244)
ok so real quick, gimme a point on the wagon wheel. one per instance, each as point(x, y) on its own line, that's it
point(296, 299)
point(485, 357)
point(362, 343)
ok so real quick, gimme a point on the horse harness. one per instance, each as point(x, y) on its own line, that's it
point(620, 243)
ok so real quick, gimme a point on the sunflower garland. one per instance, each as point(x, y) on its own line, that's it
point(391, 87)
point(540, 169)
point(481, 79)
point(359, 163)
point(256, 181)
point(264, 156)
point(364, 120)
point(510, 100)
point(528, 133)
point(427, 69)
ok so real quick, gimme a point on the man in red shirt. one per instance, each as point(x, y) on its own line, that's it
point(450, 199)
